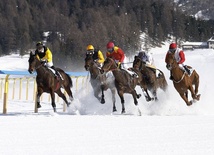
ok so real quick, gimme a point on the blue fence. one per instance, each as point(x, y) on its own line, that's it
point(27, 73)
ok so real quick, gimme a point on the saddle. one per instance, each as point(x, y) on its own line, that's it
point(56, 73)
point(131, 72)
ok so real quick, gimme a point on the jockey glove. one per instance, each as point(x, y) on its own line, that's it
point(43, 61)
point(119, 65)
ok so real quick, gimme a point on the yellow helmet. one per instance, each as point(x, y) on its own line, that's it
point(90, 47)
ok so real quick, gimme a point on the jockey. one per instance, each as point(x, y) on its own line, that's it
point(118, 55)
point(115, 53)
point(179, 57)
point(96, 54)
point(147, 58)
point(44, 54)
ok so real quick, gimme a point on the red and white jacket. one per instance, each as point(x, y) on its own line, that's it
point(179, 56)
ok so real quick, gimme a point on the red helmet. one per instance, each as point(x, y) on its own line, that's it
point(110, 45)
point(173, 46)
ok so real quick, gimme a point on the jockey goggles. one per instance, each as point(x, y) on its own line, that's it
point(110, 50)
point(91, 52)
point(172, 50)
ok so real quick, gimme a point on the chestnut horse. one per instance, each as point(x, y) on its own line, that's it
point(183, 82)
point(100, 82)
point(47, 82)
point(124, 82)
point(153, 83)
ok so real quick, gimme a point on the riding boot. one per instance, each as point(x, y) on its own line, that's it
point(187, 70)
point(56, 72)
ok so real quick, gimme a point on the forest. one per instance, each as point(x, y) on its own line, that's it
point(73, 24)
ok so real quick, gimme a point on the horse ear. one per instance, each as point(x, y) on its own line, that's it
point(135, 57)
point(32, 53)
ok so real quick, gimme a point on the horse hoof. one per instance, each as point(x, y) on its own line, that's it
point(54, 109)
point(138, 96)
point(68, 104)
point(189, 103)
point(114, 109)
point(39, 105)
point(198, 96)
point(123, 112)
point(102, 101)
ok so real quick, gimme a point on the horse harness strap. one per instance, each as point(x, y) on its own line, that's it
point(180, 79)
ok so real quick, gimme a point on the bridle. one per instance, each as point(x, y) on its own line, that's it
point(112, 62)
point(141, 63)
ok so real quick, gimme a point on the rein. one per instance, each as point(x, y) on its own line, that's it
point(180, 79)
point(38, 66)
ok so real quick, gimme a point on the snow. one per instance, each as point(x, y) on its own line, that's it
point(167, 126)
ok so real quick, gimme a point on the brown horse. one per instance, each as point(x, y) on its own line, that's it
point(152, 82)
point(124, 82)
point(183, 82)
point(47, 82)
point(100, 82)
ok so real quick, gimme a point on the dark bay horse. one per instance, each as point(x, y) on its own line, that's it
point(183, 82)
point(149, 75)
point(124, 82)
point(100, 82)
point(47, 82)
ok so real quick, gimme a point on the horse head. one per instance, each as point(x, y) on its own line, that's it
point(170, 61)
point(33, 63)
point(137, 63)
point(108, 65)
point(88, 62)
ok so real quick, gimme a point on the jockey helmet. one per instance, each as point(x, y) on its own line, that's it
point(172, 47)
point(90, 47)
point(39, 45)
point(110, 46)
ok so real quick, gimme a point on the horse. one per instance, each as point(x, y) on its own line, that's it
point(183, 82)
point(100, 82)
point(124, 82)
point(47, 82)
point(149, 75)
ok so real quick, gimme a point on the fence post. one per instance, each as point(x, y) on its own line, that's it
point(5, 94)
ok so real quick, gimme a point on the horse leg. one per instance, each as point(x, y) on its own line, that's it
point(196, 87)
point(39, 93)
point(38, 99)
point(60, 94)
point(120, 93)
point(70, 94)
point(102, 95)
point(194, 96)
point(53, 100)
point(146, 94)
point(154, 92)
point(134, 95)
point(96, 93)
point(183, 96)
point(113, 91)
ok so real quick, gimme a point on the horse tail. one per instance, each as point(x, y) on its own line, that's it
point(69, 80)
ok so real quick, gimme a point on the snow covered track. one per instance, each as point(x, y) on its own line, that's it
point(167, 126)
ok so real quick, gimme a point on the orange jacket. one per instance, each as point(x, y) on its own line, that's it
point(117, 54)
